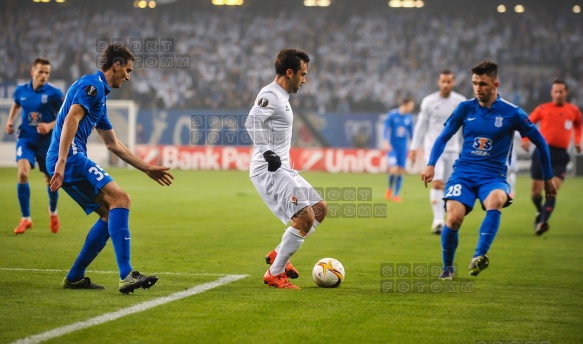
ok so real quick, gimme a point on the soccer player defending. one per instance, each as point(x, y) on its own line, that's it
point(287, 194)
point(86, 182)
point(397, 131)
point(558, 121)
point(40, 102)
point(488, 124)
point(435, 110)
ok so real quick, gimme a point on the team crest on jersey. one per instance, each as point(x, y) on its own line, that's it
point(498, 122)
point(44, 98)
point(294, 200)
point(263, 102)
point(91, 91)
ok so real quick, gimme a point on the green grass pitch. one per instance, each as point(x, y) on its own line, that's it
point(210, 224)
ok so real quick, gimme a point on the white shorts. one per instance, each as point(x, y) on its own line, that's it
point(285, 192)
point(444, 166)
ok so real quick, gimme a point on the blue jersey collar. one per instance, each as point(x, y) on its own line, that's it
point(104, 80)
point(40, 89)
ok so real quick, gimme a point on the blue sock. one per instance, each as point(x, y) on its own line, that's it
point(449, 242)
point(53, 198)
point(547, 209)
point(488, 231)
point(94, 243)
point(120, 237)
point(391, 181)
point(23, 191)
point(398, 184)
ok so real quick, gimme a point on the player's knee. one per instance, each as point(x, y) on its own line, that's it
point(320, 210)
point(496, 201)
point(454, 222)
point(22, 176)
point(122, 200)
point(304, 220)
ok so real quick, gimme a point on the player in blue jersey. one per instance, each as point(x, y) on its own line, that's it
point(86, 182)
point(489, 123)
point(39, 102)
point(397, 132)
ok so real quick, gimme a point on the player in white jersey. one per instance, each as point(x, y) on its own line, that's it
point(435, 110)
point(287, 194)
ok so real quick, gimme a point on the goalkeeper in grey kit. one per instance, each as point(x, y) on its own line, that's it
point(287, 194)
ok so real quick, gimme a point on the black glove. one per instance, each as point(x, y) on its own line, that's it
point(273, 161)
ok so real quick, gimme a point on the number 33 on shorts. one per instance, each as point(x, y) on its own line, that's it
point(98, 171)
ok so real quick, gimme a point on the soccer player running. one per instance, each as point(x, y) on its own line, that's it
point(397, 131)
point(287, 194)
point(489, 123)
point(40, 102)
point(559, 120)
point(435, 110)
point(86, 182)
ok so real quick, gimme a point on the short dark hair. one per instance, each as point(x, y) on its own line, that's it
point(487, 67)
point(41, 60)
point(446, 72)
point(561, 82)
point(290, 59)
point(116, 53)
point(406, 100)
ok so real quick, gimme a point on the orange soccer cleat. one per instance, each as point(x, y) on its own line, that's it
point(290, 271)
point(388, 194)
point(279, 281)
point(397, 199)
point(22, 226)
point(55, 223)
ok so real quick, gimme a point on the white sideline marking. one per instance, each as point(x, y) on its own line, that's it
point(61, 331)
point(112, 272)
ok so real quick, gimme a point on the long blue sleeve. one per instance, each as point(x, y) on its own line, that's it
point(544, 153)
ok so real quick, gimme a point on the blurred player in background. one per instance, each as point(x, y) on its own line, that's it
point(40, 102)
point(397, 131)
point(559, 120)
point(86, 182)
point(287, 194)
point(435, 110)
point(489, 123)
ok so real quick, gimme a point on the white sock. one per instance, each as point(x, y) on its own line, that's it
point(27, 218)
point(291, 241)
point(312, 230)
point(436, 198)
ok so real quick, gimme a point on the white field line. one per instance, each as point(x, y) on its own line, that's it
point(112, 272)
point(61, 331)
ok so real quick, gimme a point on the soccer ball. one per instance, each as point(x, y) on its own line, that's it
point(328, 273)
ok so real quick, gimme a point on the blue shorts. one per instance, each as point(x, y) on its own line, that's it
point(466, 188)
point(83, 180)
point(397, 157)
point(31, 151)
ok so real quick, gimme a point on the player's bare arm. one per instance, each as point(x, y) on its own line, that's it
point(70, 126)
point(45, 128)
point(14, 111)
point(158, 173)
point(550, 188)
point(427, 174)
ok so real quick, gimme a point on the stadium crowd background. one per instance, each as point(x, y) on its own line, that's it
point(364, 58)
